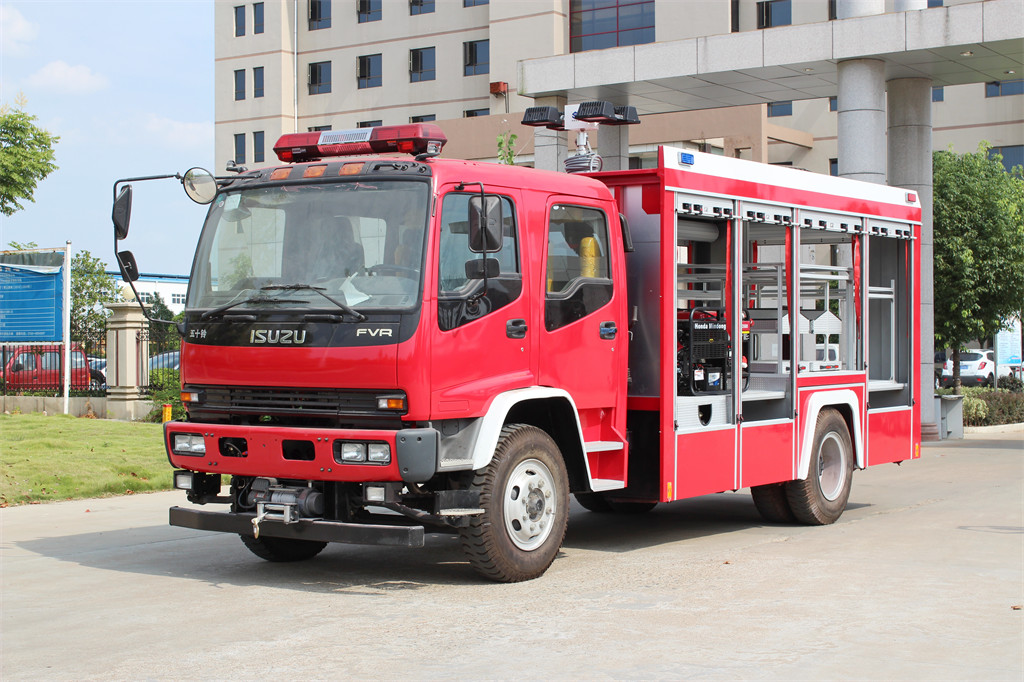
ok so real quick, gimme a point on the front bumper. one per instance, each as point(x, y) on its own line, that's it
point(303, 453)
point(317, 530)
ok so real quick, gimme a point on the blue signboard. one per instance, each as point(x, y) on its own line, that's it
point(31, 302)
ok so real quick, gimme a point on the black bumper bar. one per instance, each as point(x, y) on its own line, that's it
point(306, 529)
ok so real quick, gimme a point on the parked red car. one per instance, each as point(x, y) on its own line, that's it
point(40, 368)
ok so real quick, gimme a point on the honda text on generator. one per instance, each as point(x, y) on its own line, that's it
point(377, 347)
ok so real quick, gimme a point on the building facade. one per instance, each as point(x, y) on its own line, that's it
point(298, 65)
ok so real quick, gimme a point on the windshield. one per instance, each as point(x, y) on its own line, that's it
point(361, 243)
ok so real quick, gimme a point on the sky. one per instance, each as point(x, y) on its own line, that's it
point(128, 87)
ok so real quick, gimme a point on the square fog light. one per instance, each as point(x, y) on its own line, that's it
point(183, 480)
point(374, 493)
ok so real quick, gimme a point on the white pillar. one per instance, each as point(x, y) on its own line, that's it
point(549, 146)
point(613, 146)
point(910, 5)
point(127, 361)
point(847, 9)
point(910, 166)
point(861, 120)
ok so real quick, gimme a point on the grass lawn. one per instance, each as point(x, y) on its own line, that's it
point(47, 458)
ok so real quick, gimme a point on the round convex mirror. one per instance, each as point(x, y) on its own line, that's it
point(199, 185)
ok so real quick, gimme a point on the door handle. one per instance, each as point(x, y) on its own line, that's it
point(608, 330)
point(515, 329)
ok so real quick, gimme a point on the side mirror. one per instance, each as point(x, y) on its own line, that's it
point(484, 224)
point(200, 185)
point(122, 212)
point(479, 268)
point(18, 367)
point(129, 268)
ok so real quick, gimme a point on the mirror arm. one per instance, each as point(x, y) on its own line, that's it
point(483, 254)
point(180, 326)
point(176, 176)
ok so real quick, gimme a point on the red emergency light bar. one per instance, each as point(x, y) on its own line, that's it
point(415, 138)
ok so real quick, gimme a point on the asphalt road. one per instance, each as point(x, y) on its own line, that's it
point(917, 580)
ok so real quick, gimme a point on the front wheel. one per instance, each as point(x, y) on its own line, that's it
point(524, 494)
point(821, 498)
point(282, 549)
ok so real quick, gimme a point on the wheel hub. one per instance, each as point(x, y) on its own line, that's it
point(529, 504)
point(831, 466)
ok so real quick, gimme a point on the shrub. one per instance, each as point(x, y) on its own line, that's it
point(165, 388)
point(1011, 383)
point(975, 411)
point(1003, 407)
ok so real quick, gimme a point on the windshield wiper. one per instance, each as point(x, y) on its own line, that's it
point(318, 290)
point(258, 298)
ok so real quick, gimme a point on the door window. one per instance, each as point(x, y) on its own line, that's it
point(578, 265)
point(462, 298)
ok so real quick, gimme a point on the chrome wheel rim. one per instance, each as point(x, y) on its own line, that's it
point(529, 504)
point(831, 466)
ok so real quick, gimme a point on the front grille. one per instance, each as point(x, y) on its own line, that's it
point(305, 402)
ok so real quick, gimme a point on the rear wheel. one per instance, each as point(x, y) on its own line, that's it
point(821, 498)
point(282, 549)
point(524, 492)
point(772, 503)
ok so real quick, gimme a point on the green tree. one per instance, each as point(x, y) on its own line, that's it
point(162, 336)
point(507, 148)
point(979, 247)
point(26, 157)
point(91, 288)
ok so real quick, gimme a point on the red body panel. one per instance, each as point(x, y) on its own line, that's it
point(891, 436)
point(769, 453)
point(706, 463)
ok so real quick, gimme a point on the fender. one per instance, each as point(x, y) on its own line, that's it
point(818, 401)
point(497, 411)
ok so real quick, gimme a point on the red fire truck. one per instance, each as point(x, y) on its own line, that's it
point(379, 346)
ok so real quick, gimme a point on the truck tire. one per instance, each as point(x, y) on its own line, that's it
point(599, 503)
point(524, 494)
point(282, 549)
point(821, 498)
point(772, 503)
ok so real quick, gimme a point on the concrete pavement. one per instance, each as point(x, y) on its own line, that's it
point(917, 580)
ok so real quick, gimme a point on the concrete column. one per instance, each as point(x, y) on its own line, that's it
point(127, 361)
point(861, 120)
point(613, 146)
point(549, 146)
point(910, 166)
point(847, 9)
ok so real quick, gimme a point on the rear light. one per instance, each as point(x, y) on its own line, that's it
point(982, 365)
point(414, 138)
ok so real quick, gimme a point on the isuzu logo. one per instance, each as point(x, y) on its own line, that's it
point(380, 331)
point(278, 336)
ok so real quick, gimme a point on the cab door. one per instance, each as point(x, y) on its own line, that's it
point(583, 342)
point(484, 339)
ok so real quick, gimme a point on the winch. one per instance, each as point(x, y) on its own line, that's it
point(283, 503)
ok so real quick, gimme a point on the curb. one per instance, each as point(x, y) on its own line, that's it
point(998, 428)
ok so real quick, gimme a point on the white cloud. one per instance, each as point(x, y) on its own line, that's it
point(179, 134)
point(15, 31)
point(62, 77)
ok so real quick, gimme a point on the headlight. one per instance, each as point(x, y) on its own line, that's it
point(188, 444)
point(379, 452)
point(353, 452)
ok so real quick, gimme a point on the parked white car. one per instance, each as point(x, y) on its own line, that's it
point(977, 368)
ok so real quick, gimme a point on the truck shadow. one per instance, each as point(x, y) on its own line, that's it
point(219, 559)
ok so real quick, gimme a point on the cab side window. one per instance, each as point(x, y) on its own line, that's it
point(578, 264)
point(51, 360)
point(27, 362)
point(461, 298)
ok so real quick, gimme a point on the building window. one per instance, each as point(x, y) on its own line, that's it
point(474, 3)
point(239, 84)
point(422, 118)
point(240, 21)
point(240, 148)
point(369, 10)
point(609, 23)
point(421, 7)
point(319, 14)
point(369, 71)
point(177, 299)
point(832, 13)
point(734, 15)
point(257, 18)
point(370, 124)
point(833, 104)
point(1013, 155)
point(318, 129)
point(257, 81)
point(938, 94)
point(774, 13)
point(780, 109)
point(1003, 88)
point(421, 65)
point(319, 78)
point(833, 167)
point(473, 113)
point(257, 147)
point(476, 57)
point(934, 3)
